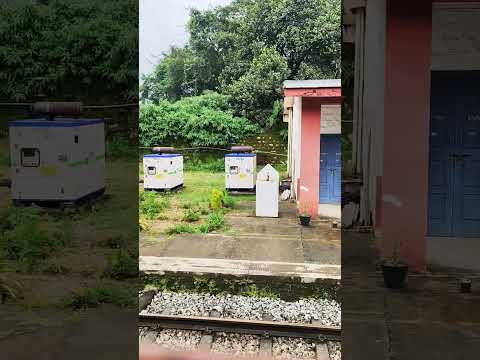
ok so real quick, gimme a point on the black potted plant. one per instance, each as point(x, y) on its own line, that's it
point(394, 271)
point(304, 216)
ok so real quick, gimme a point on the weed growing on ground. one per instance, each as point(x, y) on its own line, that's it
point(181, 229)
point(228, 201)
point(190, 215)
point(122, 265)
point(252, 290)
point(214, 221)
point(96, 296)
point(114, 242)
point(27, 240)
point(151, 205)
point(55, 267)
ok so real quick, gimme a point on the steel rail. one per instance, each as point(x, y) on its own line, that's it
point(251, 327)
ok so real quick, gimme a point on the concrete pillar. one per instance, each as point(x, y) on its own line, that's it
point(406, 130)
point(310, 150)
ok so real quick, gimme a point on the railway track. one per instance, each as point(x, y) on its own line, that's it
point(269, 337)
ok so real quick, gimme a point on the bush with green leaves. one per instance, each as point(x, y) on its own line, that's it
point(151, 204)
point(27, 237)
point(190, 215)
point(122, 265)
point(214, 221)
point(204, 120)
point(216, 197)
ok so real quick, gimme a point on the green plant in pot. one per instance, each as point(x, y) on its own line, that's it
point(394, 271)
point(304, 215)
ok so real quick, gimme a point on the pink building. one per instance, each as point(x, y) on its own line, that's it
point(416, 138)
point(312, 110)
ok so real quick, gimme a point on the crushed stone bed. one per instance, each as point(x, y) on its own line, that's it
point(322, 312)
point(335, 350)
point(293, 348)
point(172, 339)
point(236, 344)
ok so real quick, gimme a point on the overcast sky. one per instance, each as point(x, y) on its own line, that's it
point(162, 24)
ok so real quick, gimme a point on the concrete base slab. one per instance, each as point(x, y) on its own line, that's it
point(304, 271)
point(254, 239)
point(459, 253)
point(330, 211)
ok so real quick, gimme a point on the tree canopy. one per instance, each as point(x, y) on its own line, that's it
point(247, 49)
point(76, 48)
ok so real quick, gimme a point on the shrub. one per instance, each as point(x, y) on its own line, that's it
point(216, 197)
point(180, 229)
point(227, 200)
point(204, 120)
point(27, 240)
point(190, 215)
point(214, 221)
point(150, 205)
point(122, 265)
point(95, 296)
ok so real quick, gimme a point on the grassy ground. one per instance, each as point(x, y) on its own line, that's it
point(199, 207)
point(81, 257)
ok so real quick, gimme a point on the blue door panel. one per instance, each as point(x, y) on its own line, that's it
point(330, 169)
point(454, 173)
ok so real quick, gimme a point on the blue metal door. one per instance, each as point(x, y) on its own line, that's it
point(454, 175)
point(330, 169)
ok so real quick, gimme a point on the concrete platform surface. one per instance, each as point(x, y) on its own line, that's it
point(252, 238)
point(429, 319)
point(306, 272)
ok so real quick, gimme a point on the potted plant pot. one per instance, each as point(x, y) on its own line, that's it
point(305, 220)
point(394, 274)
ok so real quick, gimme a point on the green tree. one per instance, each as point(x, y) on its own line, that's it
point(247, 49)
point(254, 93)
point(69, 48)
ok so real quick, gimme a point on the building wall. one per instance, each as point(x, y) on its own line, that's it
point(406, 131)
point(310, 161)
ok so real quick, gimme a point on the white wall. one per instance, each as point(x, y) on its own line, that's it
point(456, 36)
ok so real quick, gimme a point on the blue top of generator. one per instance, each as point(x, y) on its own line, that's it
point(56, 122)
point(240, 155)
point(161, 155)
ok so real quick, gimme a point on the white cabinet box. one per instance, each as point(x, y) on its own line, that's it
point(162, 171)
point(60, 159)
point(266, 202)
point(240, 171)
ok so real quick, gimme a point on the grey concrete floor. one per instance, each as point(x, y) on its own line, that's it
point(248, 237)
point(429, 319)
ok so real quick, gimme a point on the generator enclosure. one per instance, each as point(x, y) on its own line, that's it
point(266, 202)
point(59, 159)
point(162, 171)
point(240, 171)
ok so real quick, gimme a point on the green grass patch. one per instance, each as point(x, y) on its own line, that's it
point(181, 229)
point(27, 237)
point(122, 265)
point(214, 221)
point(151, 204)
point(190, 215)
point(93, 297)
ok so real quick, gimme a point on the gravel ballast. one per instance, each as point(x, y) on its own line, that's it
point(335, 350)
point(293, 348)
point(322, 312)
point(171, 339)
point(236, 344)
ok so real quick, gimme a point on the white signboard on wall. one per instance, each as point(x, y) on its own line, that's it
point(456, 36)
point(330, 119)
